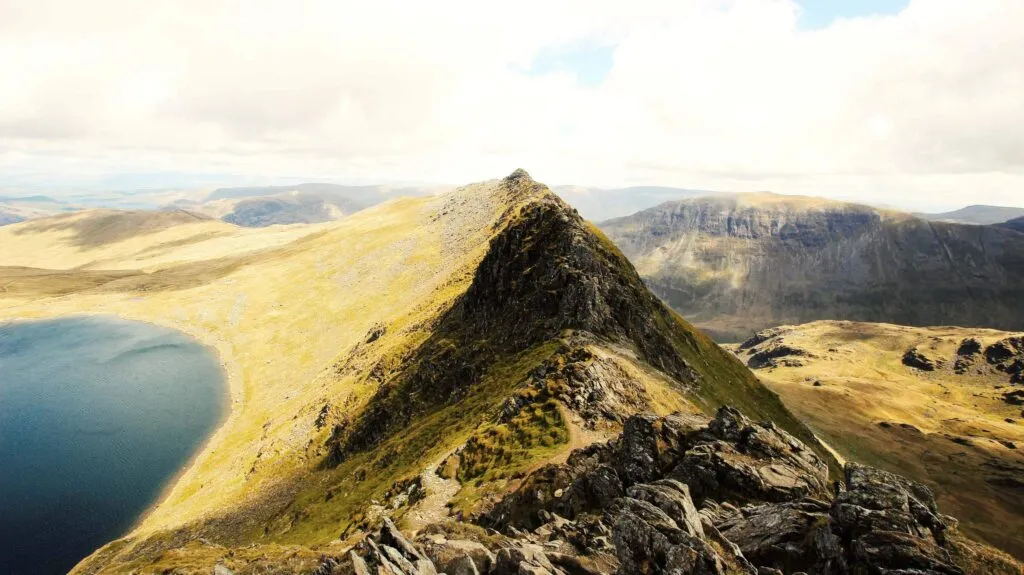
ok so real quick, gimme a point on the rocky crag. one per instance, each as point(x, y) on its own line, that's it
point(736, 264)
point(685, 494)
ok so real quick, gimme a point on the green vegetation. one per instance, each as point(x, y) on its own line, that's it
point(505, 450)
point(336, 502)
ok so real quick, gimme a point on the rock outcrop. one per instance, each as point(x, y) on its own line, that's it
point(917, 360)
point(683, 494)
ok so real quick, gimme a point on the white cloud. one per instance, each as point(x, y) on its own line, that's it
point(923, 106)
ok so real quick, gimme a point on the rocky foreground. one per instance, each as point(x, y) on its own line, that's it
point(685, 494)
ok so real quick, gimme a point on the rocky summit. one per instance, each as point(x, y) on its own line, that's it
point(687, 494)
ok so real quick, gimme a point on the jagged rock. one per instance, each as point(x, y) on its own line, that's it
point(524, 559)
point(966, 355)
point(917, 360)
point(390, 535)
point(762, 336)
point(775, 535)
point(734, 459)
point(648, 541)
point(358, 565)
point(222, 570)
point(673, 498)
point(446, 554)
point(461, 565)
point(376, 332)
point(1005, 349)
point(891, 523)
point(1007, 355)
point(774, 356)
point(625, 507)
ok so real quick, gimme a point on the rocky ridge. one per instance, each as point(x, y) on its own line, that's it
point(546, 341)
point(688, 494)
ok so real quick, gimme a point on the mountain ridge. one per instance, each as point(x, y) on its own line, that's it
point(978, 214)
point(426, 361)
point(737, 264)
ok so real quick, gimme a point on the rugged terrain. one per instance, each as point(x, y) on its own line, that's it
point(685, 494)
point(353, 348)
point(734, 264)
point(941, 405)
point(434, 362)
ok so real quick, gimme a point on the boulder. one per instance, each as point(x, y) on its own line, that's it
point(917, 360)
point(734, 459)
point(446, 554)
point(776, 535)
point(647, 541)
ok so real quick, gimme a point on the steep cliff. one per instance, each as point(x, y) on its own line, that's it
point(739, 263)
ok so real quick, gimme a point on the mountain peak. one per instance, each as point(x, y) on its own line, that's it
point(519, 175)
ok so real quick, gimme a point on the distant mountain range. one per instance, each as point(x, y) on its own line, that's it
point(14, 209)
point(977, 214)
point(598, 204)
point(735, 264)
point(309, 203)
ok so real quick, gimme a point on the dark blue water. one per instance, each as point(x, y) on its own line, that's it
point(96, 415)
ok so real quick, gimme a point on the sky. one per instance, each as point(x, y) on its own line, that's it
point(909, 103)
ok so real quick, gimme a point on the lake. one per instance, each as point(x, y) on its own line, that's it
point(97, 414)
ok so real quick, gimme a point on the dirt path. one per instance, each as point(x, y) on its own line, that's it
point(434, 507)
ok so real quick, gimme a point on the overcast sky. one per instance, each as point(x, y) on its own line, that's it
point(915, 104)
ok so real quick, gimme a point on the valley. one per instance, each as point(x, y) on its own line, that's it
point(937, 404)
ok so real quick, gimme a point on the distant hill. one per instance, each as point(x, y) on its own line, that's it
point(598, 204)
point(14, 209)
point(129, 239)
point(735, 264)
point(9, 217)
point(977, 214)
point(262, 206)
point(34, 199)
point(1016, 224)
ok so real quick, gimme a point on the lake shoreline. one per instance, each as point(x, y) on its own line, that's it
point(232, 395)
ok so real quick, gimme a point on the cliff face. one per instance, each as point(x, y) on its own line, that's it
point(737, 264)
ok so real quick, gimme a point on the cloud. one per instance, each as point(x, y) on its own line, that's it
point(710, 94)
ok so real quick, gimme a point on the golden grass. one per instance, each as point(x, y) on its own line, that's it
point(867, 400)
point(284, 305)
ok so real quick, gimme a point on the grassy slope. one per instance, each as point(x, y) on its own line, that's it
point(132, 240)
point(866, 393)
